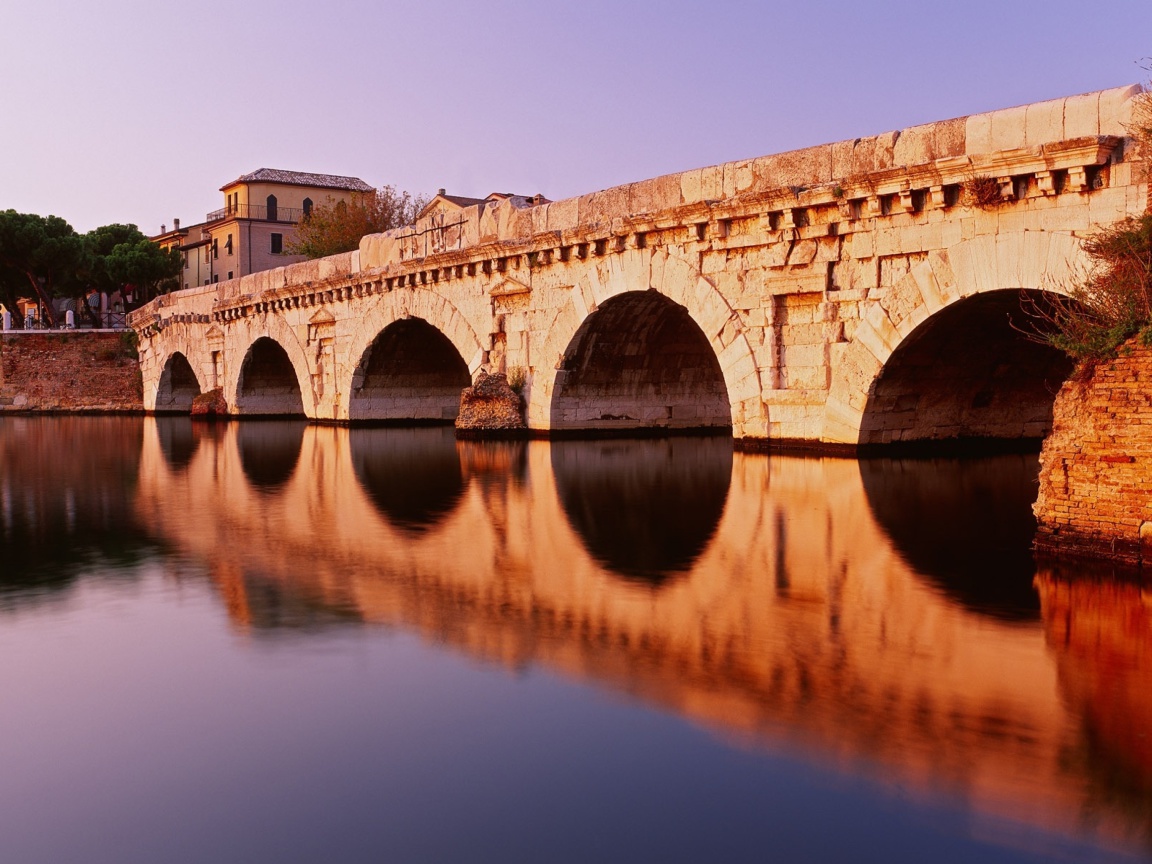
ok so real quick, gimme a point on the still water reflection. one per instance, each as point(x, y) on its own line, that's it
point(277, 642)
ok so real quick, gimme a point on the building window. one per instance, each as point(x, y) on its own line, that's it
point(229, 274)
point(215, 250)
point(215, 279)
point(272, 208)
point(307, 207)
point(185, 260)
point(277, 244)
point(228, 245)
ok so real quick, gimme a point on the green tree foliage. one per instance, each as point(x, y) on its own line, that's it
point(336, 227)
point(35, 248)
point(121, 255)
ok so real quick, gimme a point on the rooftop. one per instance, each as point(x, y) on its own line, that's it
point(301, 178)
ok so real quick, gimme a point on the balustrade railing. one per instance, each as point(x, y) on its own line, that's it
point(257, 211)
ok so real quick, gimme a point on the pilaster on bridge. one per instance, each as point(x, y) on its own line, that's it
point(851, 294)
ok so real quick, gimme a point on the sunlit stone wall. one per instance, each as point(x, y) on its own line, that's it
point(805, 274)
point(1096, 466)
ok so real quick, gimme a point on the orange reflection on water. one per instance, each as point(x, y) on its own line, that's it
point(761, 596)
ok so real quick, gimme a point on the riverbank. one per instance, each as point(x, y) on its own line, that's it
point(70, 372)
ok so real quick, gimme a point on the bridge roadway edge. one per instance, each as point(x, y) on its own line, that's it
point(804, 271)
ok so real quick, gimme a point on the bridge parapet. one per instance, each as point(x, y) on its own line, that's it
point(804, 271)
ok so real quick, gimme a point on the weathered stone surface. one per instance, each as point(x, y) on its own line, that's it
point(490, 405)
point(873, 233)
point(1096, 467)
point(210, 405)
point(75, 371)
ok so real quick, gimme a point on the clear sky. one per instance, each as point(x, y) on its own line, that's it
point(133, 111)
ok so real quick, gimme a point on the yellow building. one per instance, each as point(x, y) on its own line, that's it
point(255, 225)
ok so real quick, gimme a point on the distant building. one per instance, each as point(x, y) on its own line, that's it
point(255, 225)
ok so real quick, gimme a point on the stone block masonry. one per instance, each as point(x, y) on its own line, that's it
point(68, 372)
point(1096, 467)
point(850, 295)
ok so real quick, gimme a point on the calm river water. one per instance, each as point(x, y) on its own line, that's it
point(269, 642)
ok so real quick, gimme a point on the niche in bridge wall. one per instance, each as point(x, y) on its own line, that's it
point(269, 451)
point(964, 524)
point(411, 371)
point(968, 372)
point(640, 361)
point(178, 386)
point(268, 383)
point(413, 476)
point(644, 508)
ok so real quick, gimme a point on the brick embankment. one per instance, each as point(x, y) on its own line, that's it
point(1095, 496)
point(68, 372)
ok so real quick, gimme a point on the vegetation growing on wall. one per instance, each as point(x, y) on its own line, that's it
point(1110, 300)
point(337, 227)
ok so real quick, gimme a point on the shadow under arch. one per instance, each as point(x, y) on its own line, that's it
point(964, 524)
point(968, 374)
point(411, 371)
point(178, 386)
point(412, 475)
point(269, 451)
point(268, 385)
point(179, 440)
point(640, 361)
point(644, 509)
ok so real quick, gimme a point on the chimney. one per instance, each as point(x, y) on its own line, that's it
point(175, 224)
point(439, 191)
point(163, 228)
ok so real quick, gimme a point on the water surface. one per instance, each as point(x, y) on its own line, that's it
point(275, 642)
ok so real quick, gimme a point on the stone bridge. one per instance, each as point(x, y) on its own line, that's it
point(851, 294)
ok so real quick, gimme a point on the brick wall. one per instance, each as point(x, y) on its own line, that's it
point(68, 372)
point(1096, 467)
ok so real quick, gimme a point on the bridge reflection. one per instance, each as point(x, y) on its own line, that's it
point(413, 476)
point(644, 509)
point(803, 614)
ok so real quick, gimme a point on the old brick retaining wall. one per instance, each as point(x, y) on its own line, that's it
point(76, 371)
point(1096, 467)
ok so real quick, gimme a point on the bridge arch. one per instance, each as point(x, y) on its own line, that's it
point(411, 371)
point(405, 341)
point(660, 300)
point(938, 359)
point(268, 383)
point(178, 385)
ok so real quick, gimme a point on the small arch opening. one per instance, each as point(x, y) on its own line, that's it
point(640, 362)
point(270, 205)
point(969, 375)
point(268, 384)
point(410, 372)
point(178, 386)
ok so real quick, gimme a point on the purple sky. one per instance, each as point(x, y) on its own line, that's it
point(132, 111)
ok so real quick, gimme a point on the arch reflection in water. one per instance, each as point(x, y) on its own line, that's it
point(412, 475)
point(966, 524)
point(644, 509)
point(179, 440)
point(269, 451)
